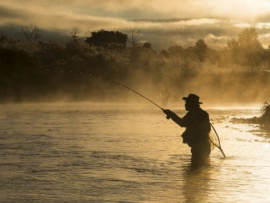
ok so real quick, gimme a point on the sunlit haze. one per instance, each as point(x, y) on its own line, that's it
point(161, 22)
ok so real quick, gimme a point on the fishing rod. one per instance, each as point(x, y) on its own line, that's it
point(112, 81)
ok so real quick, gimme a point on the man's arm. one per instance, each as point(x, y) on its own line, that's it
point(173, 116)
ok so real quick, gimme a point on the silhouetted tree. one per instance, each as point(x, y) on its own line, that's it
point(134, 32)
point(74, 36)
point(147, 45)
point(247, 50)
point(31, 33)
point(3, 38)
point(107, 39)
point(164, 53)
point(201, 49)
point(175, 55)
point(175, 50)
point(248, 38)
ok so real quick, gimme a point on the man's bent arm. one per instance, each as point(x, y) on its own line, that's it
point(174, 117)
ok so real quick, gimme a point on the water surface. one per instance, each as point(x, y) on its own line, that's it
point(80, 152)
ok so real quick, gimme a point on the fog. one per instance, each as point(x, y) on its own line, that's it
point(37, 71)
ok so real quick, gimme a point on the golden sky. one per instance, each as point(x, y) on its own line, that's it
point(162, 22)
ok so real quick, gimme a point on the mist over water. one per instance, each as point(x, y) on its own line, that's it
point(82, 152)
point(35, 70)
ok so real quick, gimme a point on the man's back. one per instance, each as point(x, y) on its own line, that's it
point(197, 126)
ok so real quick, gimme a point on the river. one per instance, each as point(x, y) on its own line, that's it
point(84, 152)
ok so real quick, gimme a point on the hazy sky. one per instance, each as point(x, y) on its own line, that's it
point(161, 22)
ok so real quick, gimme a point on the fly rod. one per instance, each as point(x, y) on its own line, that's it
point(112, 81)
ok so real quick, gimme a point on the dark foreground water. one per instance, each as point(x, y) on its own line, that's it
point(124, 153)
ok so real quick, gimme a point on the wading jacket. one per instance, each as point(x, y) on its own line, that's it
point(197, 125)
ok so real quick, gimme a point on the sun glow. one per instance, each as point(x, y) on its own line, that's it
point(245, 9)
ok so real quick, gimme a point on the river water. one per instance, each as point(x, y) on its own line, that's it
point(81, 152)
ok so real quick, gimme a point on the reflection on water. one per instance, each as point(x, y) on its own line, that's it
point(124, 153)
point(196, 185)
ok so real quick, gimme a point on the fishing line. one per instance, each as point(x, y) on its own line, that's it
point(218, 145)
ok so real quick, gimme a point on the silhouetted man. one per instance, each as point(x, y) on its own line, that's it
point(197, 125)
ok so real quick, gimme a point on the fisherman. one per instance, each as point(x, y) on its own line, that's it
point(197, 125)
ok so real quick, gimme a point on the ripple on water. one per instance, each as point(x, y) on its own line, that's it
point(95, 153)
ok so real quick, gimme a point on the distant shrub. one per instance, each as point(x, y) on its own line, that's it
point(265, 118)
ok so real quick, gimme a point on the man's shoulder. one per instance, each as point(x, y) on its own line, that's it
point(203, 112)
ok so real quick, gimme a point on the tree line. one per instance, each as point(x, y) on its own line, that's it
point(34, 70)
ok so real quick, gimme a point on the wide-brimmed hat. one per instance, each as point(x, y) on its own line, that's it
point(192, 98)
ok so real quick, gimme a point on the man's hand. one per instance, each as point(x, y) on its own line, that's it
point(168, 112)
